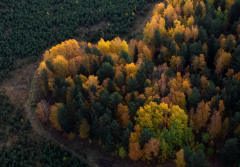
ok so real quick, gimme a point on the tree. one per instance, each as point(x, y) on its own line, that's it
point(188, 9)
point(54, 116)
point(199, 10)
point(60, 65)
point(198, 159)
point(131, 70)
point(82, 70)
point(96, 51)
point(180, 162)
point(194, 99)
point(157, 39)
point(215, 126)
point(146, 135)
point(125, 139)
point(116, 131)
point(132, 85)
point(151, 149)
point(141, 78)
point(135, 152)
point(84, 128)
point(170, 72)
point(65, 120)
point(43, 111)
point(201, 116)
point(114, 100)
point(122, 115)
point(106, 71)
point(225, 127)
point(230, 152)
point(125, 56)
point(151, 116)
point(172, 49)
point(110, 86)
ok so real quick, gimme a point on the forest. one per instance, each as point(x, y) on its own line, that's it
point(175, 94)
point(172, 96)
point(28, 27)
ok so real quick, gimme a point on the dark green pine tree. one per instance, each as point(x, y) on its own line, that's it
point(114, 100)
point(106, 71)
point(94, 67)
point(135, 56)
point(210, 91)
point(125, 138)
point(95, 51)
point(179, 38)
point(145, 136)
point(131, 85)
point(110, 86)
point(108, 59)
point(132, 110)
point(160, 58)
point(172, 49)
point(82, 70)
point(141, 78)
point(170, 72)
point(202, 35)
point(125, 56)
point(82, 108)
point(194, 99)
point(49, 65)
point(109, 140)
point(104, 97)
point(116, 131)
point(198, 11)
point(65, 120)
point(230, 152)
point(157, 39)
point(88, 49)
point(198, 159)
point(130, 126)
point(236, 59)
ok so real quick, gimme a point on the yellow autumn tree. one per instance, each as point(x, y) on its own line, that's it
point(84, 129)
point(180, 162)
point(151, 115)
point(92, 80)
point(117, 45)
point(131, 70)
point(188, 9)
point(54, 116)
point(60, 66)
point(104, 47)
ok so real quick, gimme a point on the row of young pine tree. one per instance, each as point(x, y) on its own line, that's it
point(176, 93)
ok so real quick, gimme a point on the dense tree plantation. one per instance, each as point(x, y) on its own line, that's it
point(23, 150)
point(30, 26)
point(173, 95)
